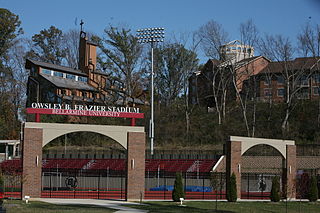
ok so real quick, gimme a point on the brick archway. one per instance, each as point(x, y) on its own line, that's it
point(237, 146)
point(36, 135)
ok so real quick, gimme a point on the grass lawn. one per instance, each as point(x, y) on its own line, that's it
point(18, 206)
point(225, 207)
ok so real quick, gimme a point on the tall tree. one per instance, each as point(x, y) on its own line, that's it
point(9, 31)
point(71, 45)
point(280, 49)
point(121, 54)
point(173, 64)
point(48, 46)
point(249, 37)
point(309, 40)
point(212, 36)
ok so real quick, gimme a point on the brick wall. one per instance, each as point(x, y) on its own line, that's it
point(291, 171)
point(234, 160)
point(136, 166)
point(32, 152)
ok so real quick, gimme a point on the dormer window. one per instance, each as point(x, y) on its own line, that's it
point(58, 74)
point(46, 71)
point(83, 79)
point(70, 76)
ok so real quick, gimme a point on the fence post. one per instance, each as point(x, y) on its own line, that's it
point(248, 188)
point(99, 184)
point(185, 183)
point(202, 186)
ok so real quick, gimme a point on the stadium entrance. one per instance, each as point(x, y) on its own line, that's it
point(36, 135)
point(253, 183)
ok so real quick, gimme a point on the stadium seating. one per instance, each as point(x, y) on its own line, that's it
point(152, 165)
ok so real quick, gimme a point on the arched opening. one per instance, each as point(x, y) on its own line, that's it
point(84, 164)
point(36, 135)
point(259, 165)
point(238, 146)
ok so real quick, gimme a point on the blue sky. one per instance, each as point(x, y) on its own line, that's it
point(177, 16)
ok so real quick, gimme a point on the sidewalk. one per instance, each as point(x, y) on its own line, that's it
point(112, 204)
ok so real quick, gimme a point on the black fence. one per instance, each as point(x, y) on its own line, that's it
point(197, 185)
point(90, 184)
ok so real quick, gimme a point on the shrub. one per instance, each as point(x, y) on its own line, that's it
point(232, 190)
point(313, 190)
point(178, 191)
point(275, 190)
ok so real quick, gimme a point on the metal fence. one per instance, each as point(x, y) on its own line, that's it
point(12, 185)
point(91, 184)
point(197, 186)
point(257, 185)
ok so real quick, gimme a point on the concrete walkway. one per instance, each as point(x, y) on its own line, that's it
point(112, 204)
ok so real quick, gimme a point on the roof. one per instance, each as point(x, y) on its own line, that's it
point(68, 83)
point(10, 142)
point(299, 63)
point(65, 69)
point(246, 61)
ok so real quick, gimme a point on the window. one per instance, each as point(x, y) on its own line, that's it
point(316, 78)
point(280, 79)
point(303, 81)
point(303, 93)
point(267, 81)
point(280, 92)
point(46, 72)
point(58, 74)
point(316, 91)
point(33, 71)
point(70, 76)
point(267, 92)
point(83, 79)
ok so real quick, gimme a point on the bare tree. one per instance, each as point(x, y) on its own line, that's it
point(249, 37)
point(309, 45)
point(309, 40)
point(71, 43)
point(296, 74)
point(212, 36)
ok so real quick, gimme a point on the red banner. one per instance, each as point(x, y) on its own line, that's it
point(85, 113)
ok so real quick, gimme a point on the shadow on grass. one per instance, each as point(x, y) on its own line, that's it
point(167, 207)
point(48, 207)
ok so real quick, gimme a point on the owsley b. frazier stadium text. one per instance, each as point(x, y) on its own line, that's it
point(90, 110)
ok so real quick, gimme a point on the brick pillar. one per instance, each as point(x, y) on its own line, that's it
point(291, 171)
point(31, 156)
point(135, 166)
point(233, 162)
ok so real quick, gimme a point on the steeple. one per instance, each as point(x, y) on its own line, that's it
point(87, 52)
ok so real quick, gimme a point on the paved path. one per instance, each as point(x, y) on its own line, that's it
point(112, 204)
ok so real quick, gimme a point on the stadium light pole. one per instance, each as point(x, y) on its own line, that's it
point(152, 36)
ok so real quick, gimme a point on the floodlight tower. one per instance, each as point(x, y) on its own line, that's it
point(152, 36)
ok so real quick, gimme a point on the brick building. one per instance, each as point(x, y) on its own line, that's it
point(254, 75)
point(301, 74)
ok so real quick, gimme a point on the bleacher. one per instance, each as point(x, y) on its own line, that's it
point(152, 165)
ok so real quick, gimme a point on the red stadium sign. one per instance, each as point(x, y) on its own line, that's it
point(84, 110)
point(85, 113)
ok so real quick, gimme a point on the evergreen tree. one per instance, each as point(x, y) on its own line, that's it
point(275, 190)
point(232, 190)
point(178, 191)
point(313, 190)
